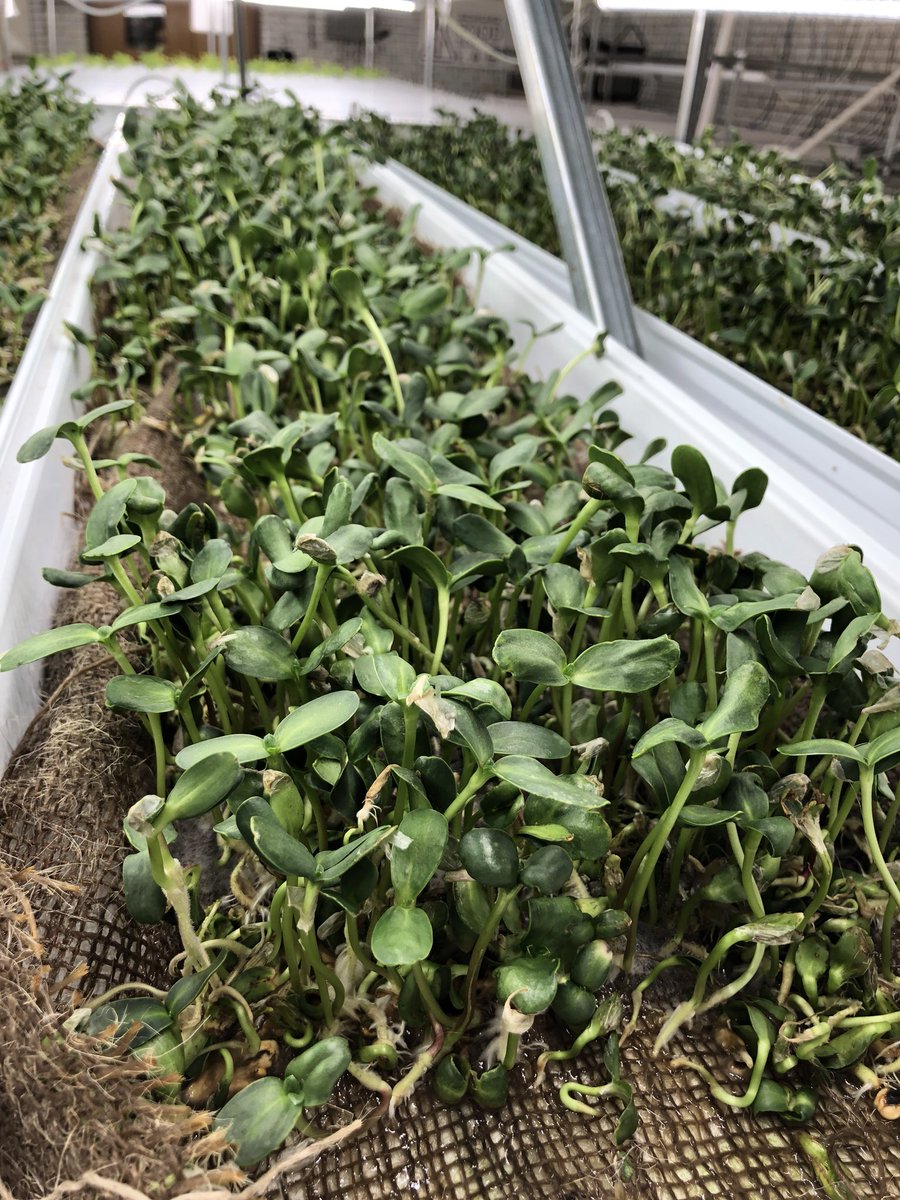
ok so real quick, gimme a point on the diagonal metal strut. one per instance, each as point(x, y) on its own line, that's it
point(580, 204)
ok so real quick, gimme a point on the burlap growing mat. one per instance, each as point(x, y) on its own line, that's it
point(73, 1119)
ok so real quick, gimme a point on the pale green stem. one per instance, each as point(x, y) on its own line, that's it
point(478, 780)
point(322, 573)
point(651, 850)
point(587, 513)
point(378, 337)
point(744, 1101)
point(866, 784)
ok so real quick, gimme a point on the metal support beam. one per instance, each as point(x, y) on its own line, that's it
point(52, 44)
point(724, 38)
point(575, 35)
point(890, 145)
point(706, 46)
point(5, 55)
point(861, 102)
point(575, 42)
point(580, 205)
point(691, 74)
point(586, 92)
point(370, 39)
point(240, 45)
point(430, 37)
point(736, 77)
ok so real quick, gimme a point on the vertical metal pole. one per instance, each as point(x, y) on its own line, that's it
point(691, 71)
point(724, 38)
point(5, 55)
point(706, 46)
point(890, 146)
point(739, 63)
point(240, 44)
point(52, 45)
point(589, 85)
point(370, 39)
point(575, 43)
point(222, 38)
point(580, 205)
point(430, 36)
point(575, 34)
point(612, 46)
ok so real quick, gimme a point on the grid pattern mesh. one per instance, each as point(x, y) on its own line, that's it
point(687, 1147)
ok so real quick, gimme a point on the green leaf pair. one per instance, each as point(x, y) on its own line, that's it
point(306, 723)
point(621, 666)
point(403, 935)
point(259, 1118)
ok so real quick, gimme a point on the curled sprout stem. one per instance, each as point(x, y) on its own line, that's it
point(617, 1090)
point(605, 1019)
point(763, 1050)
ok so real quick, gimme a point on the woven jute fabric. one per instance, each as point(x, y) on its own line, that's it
point(74, 1117)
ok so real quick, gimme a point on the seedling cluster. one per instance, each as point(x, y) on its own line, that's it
point(818, 315)
point(44, 127)
point(474, 714)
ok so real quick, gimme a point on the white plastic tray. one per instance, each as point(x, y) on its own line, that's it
point(36, 529)
point(800, 517)
point(796, 523)
point(858, 481)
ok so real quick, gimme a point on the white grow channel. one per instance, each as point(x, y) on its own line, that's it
point(36, 527)
point(826, 488)
point(858, 481)
point(796, 523)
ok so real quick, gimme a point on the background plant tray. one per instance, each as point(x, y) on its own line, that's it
point(826, 487)
point(35, 528)
point(858, 480)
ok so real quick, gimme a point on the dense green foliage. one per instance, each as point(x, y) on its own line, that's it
point(155, 60)
point(822, 323)
point(44, 129)
point(846, 209)
point(465, 704)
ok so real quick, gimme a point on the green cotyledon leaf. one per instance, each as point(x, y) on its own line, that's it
point(625, 666)
point(416, 852)
point(537, 780)
point(490, 857)
point(531, 657)
point(402, 937)
point(258, 1119)
point(743, 698)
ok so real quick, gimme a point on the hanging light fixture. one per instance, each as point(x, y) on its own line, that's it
point(851, 10)
point(304, 5)
point(402, 6)
point(212, 16)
